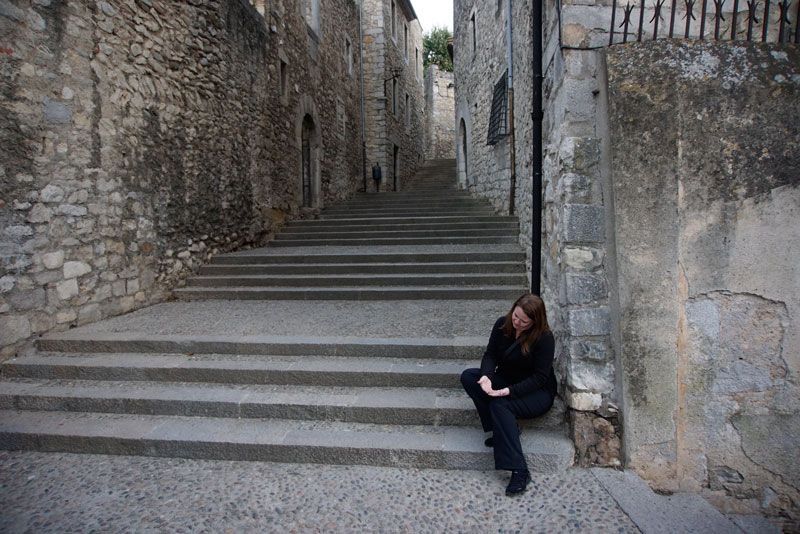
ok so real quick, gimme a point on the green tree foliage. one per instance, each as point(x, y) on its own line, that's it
point(434, 46)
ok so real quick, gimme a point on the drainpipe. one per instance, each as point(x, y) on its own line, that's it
point(513, 149)
point(361, 76)
point(536, 161)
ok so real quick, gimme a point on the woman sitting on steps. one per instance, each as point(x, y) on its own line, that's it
point(515, 380)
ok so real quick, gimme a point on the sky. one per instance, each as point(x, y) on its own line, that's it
point(434, 13)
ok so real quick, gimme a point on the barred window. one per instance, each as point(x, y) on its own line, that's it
point(498, 122)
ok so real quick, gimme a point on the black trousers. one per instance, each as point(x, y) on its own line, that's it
point(499, 414)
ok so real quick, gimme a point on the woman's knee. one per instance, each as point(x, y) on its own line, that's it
point(470, 377)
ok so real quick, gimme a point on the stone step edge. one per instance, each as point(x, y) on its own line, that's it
point(366, 293)
point(365, 404)
point(326, 371)
point(272, 440)
point(379, 405)
point(454, 348)
point(360, 257)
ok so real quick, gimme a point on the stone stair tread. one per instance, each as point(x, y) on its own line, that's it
point(354, 264)
point(383, 250)
point(371, 276)
point(243, 362)
point(383, 397)
point(272, 440)
point(459, 347)
point(404, 405)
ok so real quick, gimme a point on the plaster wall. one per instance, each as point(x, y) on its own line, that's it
point(705, 158)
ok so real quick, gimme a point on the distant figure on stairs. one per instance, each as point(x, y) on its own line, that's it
point(377, 175)
point(515, 380)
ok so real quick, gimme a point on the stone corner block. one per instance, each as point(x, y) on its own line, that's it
point(584, 224)
point(580, 154)
point(595, 351)
point(585, 288)
point(584, 402)
point(590, 322)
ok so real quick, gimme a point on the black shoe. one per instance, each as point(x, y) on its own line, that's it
point(519, 481)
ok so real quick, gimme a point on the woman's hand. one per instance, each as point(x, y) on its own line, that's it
point(499, 392)
point(486, 384)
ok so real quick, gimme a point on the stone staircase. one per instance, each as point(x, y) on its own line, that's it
point(292, 368)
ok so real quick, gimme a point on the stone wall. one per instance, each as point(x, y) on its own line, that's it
point(439, 114)
point(574, 260)
point(705, 146)
point(393, 69)
point(141, 137)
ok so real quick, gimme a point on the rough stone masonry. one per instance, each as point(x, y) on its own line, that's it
point(140, 137)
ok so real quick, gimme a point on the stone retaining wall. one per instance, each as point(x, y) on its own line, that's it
point(139, 137)
point(705, 146)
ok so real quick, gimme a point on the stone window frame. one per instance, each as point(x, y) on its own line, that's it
point(408, 111)
point(348, 55)
point(283, 77)
point(393, 21)
point(416, 63)
point(405, 42)
point(473, 22)
point(394, 96)
point(311, 11)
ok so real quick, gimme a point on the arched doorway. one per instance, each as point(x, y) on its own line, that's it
point(463, 154)
point(308, 163)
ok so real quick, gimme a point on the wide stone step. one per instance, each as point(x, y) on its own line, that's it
point(460, 348)
point(372, 213)
point(351, 280)
point(362, 268)
point(364, 233)
point(410, 194)
point(289, 370)
point(367, 241)
point(397, 203)
point(336, 225)
point(423, 257)
point(352, 293)
point(376, 405)
point(275, 440)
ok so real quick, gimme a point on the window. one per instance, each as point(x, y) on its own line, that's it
point(405, 42)
point(416, 63)
point(474, 35)
point(394, 22)
point(348, 56)
point(284, 79)
point(498, 121)
point(408, 111)
point(311, 13)
point(394, 96)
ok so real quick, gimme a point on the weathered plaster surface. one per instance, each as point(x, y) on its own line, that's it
point(706, 173)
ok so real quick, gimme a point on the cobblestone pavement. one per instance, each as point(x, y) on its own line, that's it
point(53, 492)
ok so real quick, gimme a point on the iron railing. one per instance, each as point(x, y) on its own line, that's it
point(680, 19)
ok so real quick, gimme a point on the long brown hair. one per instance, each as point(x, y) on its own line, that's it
point(533, 307)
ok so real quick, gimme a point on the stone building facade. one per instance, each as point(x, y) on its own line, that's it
point(394, 90)
point(139, 138)
point(440, 111)
point(678, 396)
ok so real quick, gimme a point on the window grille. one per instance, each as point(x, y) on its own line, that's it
point(498, 122)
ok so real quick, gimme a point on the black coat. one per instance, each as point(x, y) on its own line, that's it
point(525, 372)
